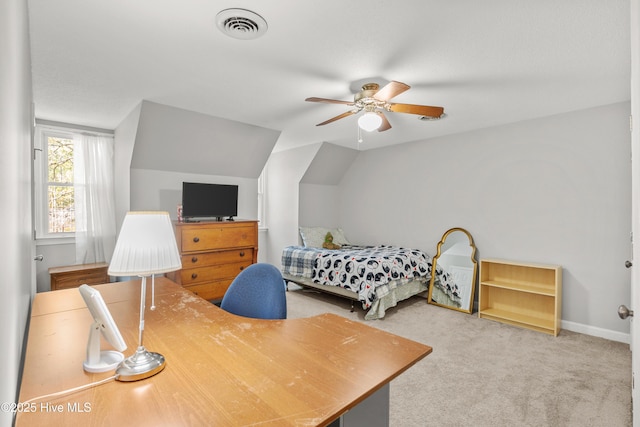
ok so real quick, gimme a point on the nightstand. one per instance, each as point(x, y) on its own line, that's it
point(72, 276)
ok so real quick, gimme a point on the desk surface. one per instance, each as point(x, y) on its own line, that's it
point(221, 369)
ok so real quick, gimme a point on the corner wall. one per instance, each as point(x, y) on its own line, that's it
point(16, 132)
point(286, 169)
point(554, 190)
point(124, 141)
point(157, 147)
point(162, 190)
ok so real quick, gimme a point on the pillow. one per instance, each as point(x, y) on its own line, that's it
point(314, 236)
point(338, 237)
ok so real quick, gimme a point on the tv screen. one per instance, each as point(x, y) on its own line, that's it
point(209, 201)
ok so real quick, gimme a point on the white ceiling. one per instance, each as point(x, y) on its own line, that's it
point(486, 62)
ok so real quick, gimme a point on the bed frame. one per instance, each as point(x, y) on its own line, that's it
point(333, 290)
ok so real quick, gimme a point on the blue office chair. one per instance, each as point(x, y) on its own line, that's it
point(258, 292)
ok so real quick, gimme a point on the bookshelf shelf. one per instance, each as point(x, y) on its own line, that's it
point(522, 294)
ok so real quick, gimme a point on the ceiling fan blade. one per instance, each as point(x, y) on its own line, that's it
point(390, 90)
point(421, 110)
point(329, 101)
point(385, 123)
point(341, 116)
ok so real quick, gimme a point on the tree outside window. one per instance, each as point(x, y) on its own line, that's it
point(55, 201)
point(60, 194)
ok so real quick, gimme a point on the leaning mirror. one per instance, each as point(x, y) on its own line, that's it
point(453, 271)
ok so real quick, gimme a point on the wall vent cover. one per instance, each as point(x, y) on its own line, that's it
point(241, 24)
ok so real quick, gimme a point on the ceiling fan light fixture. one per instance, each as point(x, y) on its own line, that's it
point(369, 121)
point(373, 102)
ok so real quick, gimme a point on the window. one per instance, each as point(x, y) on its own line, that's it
point(55, 208)
point(262, 184)
point(60, 185)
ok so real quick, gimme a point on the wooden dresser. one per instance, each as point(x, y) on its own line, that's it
point(213, 253)
point(72, 276)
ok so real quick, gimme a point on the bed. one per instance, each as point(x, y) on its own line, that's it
point(376, 276)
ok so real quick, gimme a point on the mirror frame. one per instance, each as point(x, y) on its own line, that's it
point(434, 262)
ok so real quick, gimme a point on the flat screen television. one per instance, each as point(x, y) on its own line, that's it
point(202, 201)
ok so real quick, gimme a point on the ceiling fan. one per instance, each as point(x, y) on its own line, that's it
point(373, 101)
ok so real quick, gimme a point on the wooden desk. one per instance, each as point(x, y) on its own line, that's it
point(222, 370)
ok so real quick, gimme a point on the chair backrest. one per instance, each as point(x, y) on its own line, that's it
point(258, 292)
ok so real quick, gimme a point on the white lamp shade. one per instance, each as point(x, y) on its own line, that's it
point(146, 245)
point(369, 121)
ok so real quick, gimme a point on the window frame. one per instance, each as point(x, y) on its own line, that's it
point(262, 202)
point(41, 183)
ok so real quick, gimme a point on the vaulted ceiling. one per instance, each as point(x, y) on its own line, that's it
point(486, 62)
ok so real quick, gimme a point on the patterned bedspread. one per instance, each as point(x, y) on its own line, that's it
point(448, 287)
point(364, 270)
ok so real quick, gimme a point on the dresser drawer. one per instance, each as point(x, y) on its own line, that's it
point(208, 238)
point(191, 276)
point(215, 258)
point(210, 290)
point(213, 254)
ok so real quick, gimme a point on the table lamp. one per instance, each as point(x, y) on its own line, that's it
point(146, 246)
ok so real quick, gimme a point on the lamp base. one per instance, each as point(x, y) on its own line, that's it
point(142, 364)
point(109, 360)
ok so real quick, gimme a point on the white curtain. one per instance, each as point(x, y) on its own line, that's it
point(94, 198)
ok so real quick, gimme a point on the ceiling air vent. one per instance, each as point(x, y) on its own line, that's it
point(241, 24)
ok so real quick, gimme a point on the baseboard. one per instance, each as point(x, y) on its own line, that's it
point(596, 332)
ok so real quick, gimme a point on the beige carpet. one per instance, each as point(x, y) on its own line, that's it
point(484, 373)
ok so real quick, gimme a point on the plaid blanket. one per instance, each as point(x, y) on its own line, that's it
point(299, 260)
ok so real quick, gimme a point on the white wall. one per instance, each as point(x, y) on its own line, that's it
point(141, 189)
point(16, 263)
point(161, 190)
point(174, 139)
point(285, 171)
point(553, 190)
point(124, 141)
point(318, 206)
point(54, 255)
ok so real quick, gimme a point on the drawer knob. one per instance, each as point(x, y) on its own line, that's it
point(241, 268)
point(196, 239)
point(194, 259)
point(241, 253)
point(194, 275)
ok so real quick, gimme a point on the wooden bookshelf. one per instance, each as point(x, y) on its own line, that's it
point(522, 294)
